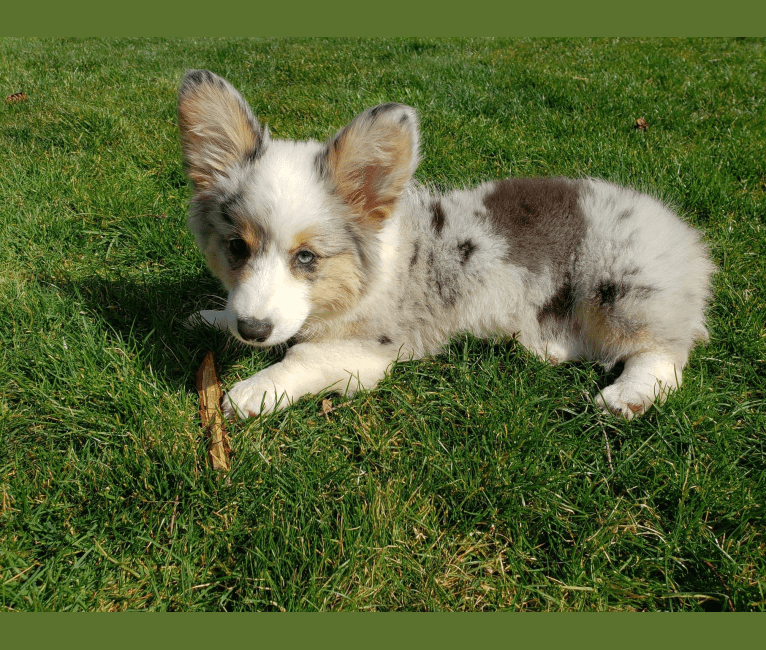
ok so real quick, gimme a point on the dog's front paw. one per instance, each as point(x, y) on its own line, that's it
point(208, 318)
point(252, 397)
point(623, 400)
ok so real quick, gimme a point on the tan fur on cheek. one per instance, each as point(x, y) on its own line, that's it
point(338, 286)
point(219, 266)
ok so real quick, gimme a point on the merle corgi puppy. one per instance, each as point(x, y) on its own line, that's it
point(334, 247)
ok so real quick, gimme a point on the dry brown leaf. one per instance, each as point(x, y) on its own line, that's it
point(641, 124)
point(210, 395)
point(16, 97)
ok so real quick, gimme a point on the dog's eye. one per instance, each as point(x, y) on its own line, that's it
point(238, 248)
point(305, 257)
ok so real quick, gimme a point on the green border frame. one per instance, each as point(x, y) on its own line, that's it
point(352, 18)
point(648, 18)
point(401, 631)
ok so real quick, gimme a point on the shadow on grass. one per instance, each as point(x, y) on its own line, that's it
point(148, 313)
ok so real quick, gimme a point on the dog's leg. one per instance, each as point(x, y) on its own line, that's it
point(559, 351)
point(210, 317)
point(308, 368)
point(647, 378)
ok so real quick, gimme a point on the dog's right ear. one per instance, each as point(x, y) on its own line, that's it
point(370, 162)
point(217, 127)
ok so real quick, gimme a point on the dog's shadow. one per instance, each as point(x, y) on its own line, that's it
point(149, 315)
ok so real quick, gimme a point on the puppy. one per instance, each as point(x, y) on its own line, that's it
point(333, 247)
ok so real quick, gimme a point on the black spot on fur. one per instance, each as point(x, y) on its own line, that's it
point(608, 292)
point(437, 217)
point(540, 220)
point(415, 253)
point(466, 249)
point(198, 77)
point(359, 245)
point(375, 111)
point(227, 206)
point(257, 151)
point(320, 165)
point(384, 340)
point(561, 304)
point(625, 214)
point(443, 282)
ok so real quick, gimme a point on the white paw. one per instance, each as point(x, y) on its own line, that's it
point(252, 397)
point(625, 400)
point(646, 379)
point(208, 318)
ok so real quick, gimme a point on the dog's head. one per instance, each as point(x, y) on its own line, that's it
point(290, 228)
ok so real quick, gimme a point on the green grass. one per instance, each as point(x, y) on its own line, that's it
point(481, 479)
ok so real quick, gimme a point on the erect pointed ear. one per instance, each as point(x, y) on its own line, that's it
point(217, 127)
point(370, 162)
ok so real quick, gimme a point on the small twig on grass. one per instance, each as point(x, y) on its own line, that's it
point(175, 510)
point(608, 449)
point(210, 395)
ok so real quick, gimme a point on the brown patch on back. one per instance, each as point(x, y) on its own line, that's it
point(560, 305)
point(539, 218)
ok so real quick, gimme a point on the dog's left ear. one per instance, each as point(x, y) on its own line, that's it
point(370, 162)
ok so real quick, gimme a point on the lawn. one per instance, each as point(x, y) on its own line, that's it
point(481, 479)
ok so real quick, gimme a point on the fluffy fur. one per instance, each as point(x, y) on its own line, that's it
point(333, 247)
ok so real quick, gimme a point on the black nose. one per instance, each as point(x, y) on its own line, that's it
point(254, 330)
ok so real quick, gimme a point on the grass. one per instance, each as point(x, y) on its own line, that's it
point(481, 479)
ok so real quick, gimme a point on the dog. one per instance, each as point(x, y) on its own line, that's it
point(334, 248)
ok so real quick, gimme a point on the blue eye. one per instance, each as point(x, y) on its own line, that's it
point(305, 257)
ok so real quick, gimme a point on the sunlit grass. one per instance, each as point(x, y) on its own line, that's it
point(479, 479)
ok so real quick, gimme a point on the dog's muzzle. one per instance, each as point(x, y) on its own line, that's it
point(253, 330)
